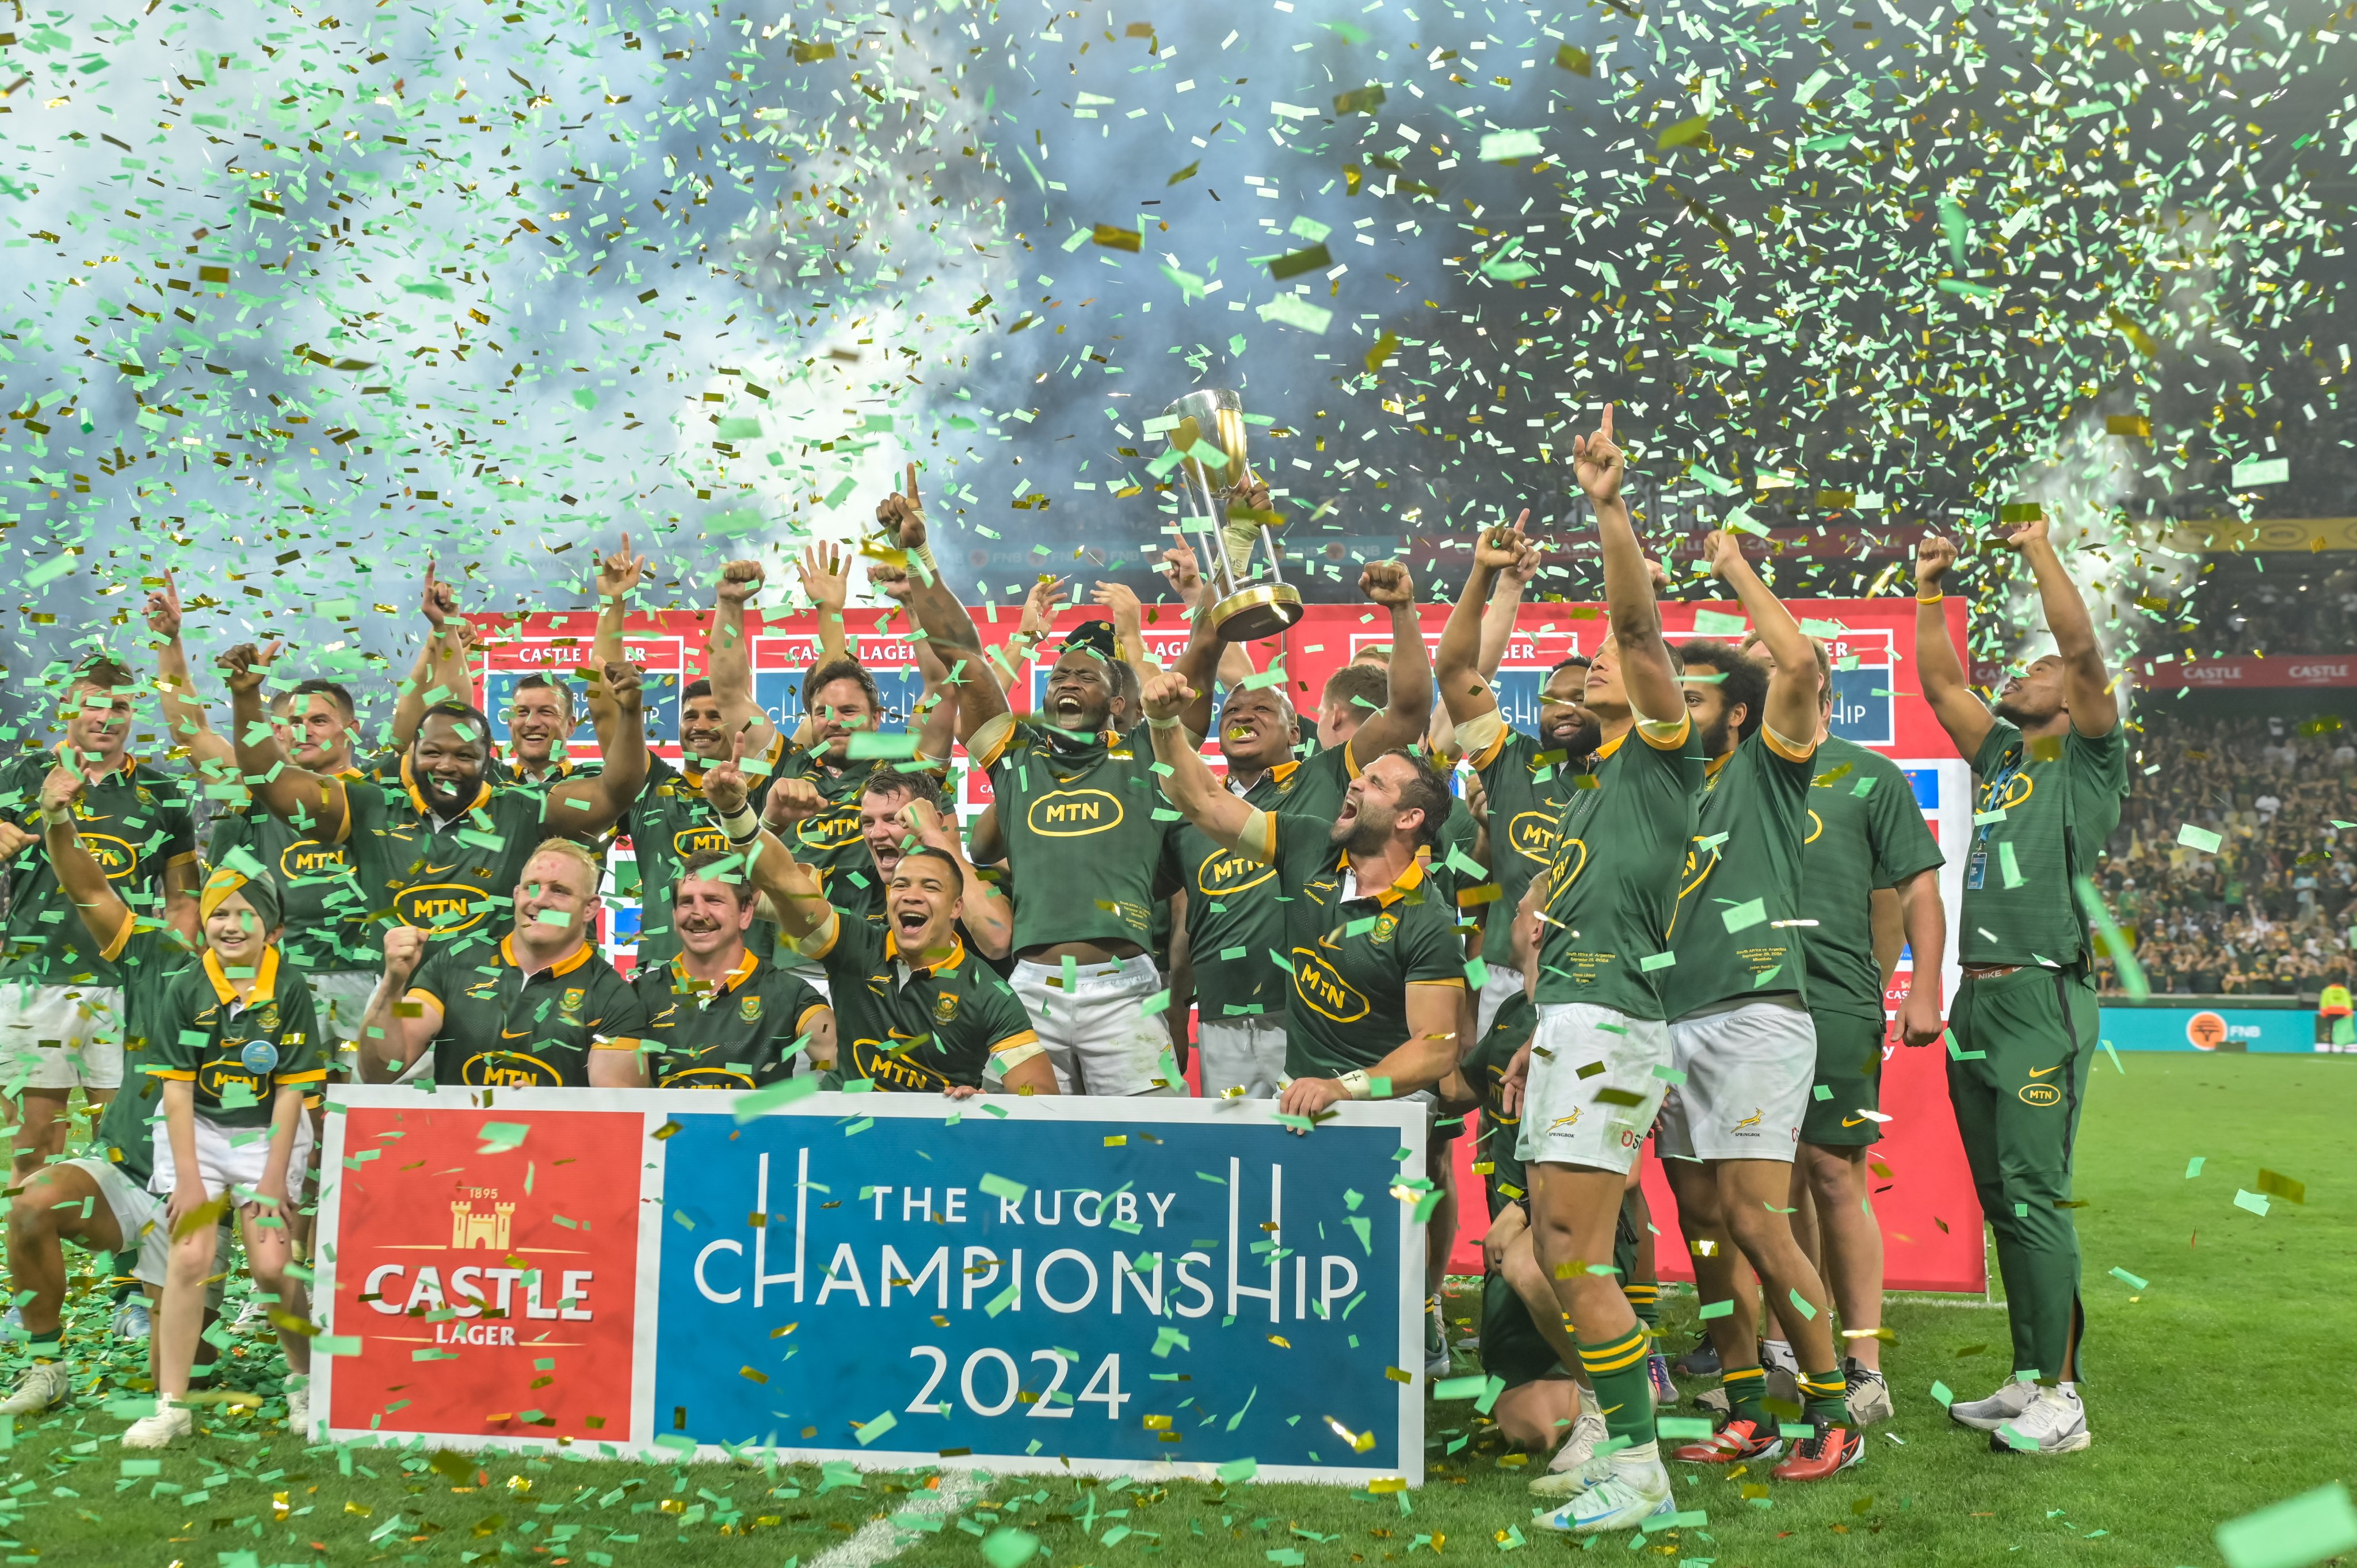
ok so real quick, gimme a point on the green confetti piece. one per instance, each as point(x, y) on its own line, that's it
point(1711, 1309)
point(1745, 916)
point(1496, 146)
point(876, 1428)
point(2252, 1201)
point(785, 1091)
point(1652, 962)
point(2293, 1533)
point(2202, 839)
point(2133, 1281)
point(499, 1137)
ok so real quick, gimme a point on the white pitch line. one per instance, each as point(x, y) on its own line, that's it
point(873, 1542)
point(1976, 1303)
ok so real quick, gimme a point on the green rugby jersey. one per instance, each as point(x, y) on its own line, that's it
point(1352, 957)
point(150, 960)
point(2045, 809)
point(1087, 823)
point(1320, 782)
point(334, 894)
point(831, 843)
point(238, 1054)
point(454, 876)
point(1740, 893)
point(501, 1026)
point(1485, 1068)
point(1865, 831)
point(1612, 881)
point(135, 821)
point(1527, 786)
point(1233, 920)
point(913, 1029)
point(670, 823)
point(739, 1034)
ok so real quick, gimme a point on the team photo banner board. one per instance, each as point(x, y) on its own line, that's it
point(889, 1280)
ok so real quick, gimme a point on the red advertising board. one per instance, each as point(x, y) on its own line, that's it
point(2277, 671)
point(506, 1246)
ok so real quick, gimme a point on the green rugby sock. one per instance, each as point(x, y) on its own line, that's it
point(1625, 1394)
point(1747, 1393)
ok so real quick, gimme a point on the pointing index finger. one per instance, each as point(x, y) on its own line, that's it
point(911, 490)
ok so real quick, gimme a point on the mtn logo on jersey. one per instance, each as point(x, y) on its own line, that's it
point(309, 860)
point(1533, 835)
point(2018, 788)
point(1224, 872)
point(120, 857)
point(1074, 813)
point(1569, 860)
point(894, 1070)
point(693, 841)
point(509, 1069)
point(706, 1077)
point(1320, 985)
point(443, 908)
point(2040, 1094)
point(828, 830)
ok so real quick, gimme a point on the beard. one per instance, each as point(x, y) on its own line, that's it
point(2013, 713)
point(1363, 835)
point(1715, 737)
point(1580, 740)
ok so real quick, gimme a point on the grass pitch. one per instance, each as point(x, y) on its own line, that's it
point(2220, 1387)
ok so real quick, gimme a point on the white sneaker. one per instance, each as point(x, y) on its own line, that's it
point(253, 1317)
point(1636, 1489)
point(166, 1426)
point(2055, 1422)
point(1435, 1340)
point(1989, 1414)
point(134, 1319)
point(45, 1385)
point(1574, 1466)
point(299, 1408)
point(1868, 1395)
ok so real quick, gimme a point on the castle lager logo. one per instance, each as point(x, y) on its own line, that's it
point(1074, 813)
point(469, 1228)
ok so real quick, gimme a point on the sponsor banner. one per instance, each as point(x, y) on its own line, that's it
point(2275, 670)
point(2197, 1028)
point(1137, 1287)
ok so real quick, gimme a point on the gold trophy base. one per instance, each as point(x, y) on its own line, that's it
point(1253, 613)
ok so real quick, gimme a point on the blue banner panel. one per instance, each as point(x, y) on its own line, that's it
point(1111, 1283)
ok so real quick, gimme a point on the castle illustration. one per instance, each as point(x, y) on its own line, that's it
point(468, 1228)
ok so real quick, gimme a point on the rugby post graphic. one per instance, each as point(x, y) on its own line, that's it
point(1181, 1286)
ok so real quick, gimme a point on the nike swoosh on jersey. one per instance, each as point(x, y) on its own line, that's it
point(1852, 1121)
point(2043, 1071)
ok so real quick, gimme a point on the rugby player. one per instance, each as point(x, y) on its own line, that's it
point(1076, 807)
point(1607, 902)
point(1869, 880)
point(719, 1016)
point(542, 1010)
point(442, 672)
point(2051, 759)
point(1743, 1047)
point(60, 1000)
point(915, 1011)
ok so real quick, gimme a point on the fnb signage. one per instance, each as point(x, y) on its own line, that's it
point(1128, 1288)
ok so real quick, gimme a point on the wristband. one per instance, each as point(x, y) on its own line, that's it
point(1933, 597)
point(925, 554)
point(1357, 1085)
point(1170, 723)
point(742, 825)
point(57, 816)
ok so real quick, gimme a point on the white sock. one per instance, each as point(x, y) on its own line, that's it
point(1638, 1456)
point(1777, 1350)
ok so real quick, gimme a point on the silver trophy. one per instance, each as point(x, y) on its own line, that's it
point(1207, 435)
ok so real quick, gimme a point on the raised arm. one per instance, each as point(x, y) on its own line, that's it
point(826, 582)
point(311, 802)
point(1941, 672)
point(593, 804)
point(1220, 813)
point(1040, 606)
point(103, 913)
point(2086, 684)
point(1505, 599)
point(184, 715)
point(397, 1027)
point(1408, 711)
point(939, 614)
point(1455, 669)
point(729, 657)
point(1645, 673)
point(441, 673)
point(1792, 689)
point(791, 889)
point(618, 576)
point(934, 722)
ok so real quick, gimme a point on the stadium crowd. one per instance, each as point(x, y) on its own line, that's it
point(2272, 908)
